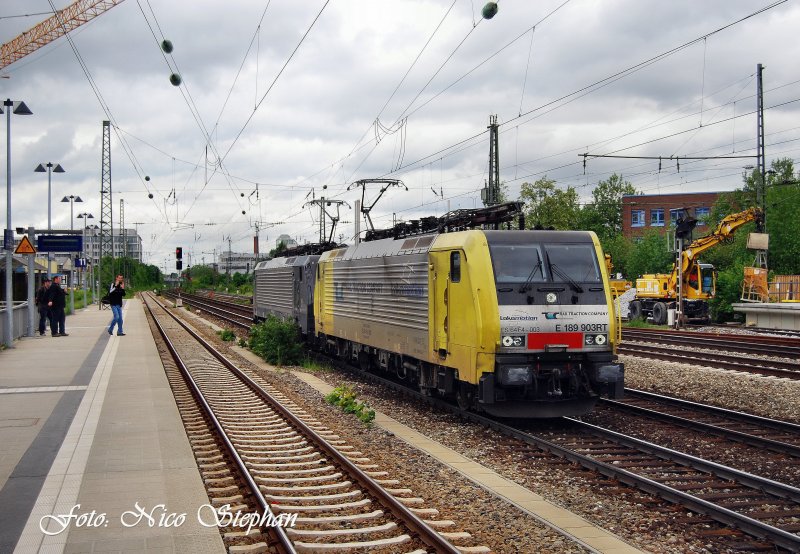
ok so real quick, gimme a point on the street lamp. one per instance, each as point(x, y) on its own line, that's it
point(50, 169)
point(19, 108)
point(85, 217)
point(71, 199)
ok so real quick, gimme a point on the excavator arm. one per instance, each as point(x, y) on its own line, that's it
point(722, 233)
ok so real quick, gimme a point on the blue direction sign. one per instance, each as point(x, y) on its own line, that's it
point(59, 243)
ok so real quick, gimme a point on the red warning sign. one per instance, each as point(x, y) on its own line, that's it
point(25, 247)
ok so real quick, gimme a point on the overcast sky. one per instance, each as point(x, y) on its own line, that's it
point(313, 124)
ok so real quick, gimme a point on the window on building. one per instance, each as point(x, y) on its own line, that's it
point(657, 217)
point(702, 215)
point(637, 218)
point(673, 216)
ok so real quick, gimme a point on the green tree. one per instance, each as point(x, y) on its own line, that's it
point(279, 249)
point(782, 215)
point(650, 255)
point(604, 215)
point(548, 206)
point(619, 248)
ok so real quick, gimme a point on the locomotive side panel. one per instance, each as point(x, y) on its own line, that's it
point(284, 287)
point(273, 292)
point(380, 302)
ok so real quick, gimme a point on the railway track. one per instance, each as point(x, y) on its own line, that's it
point(763, 433)
point(237, 315)
point(682, 347)
point(774, 368)
point(756, 507)
point(760, 507)
point(756, 445)
point(788, 333)
point(280, 461)
point(747, 344)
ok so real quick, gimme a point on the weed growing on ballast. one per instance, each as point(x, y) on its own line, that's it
point(345, 397)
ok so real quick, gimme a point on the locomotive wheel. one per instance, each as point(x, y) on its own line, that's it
point(635, 310)
point(659, 313)
point(465, 396)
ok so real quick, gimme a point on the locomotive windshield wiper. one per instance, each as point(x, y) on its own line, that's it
point(563, 275)
point(527, 284)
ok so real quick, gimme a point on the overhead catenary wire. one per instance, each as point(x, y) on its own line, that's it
point(103, 104)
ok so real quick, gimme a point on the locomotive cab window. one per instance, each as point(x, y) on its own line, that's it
point(518, 263)
point(573, 261)
point(455, 267)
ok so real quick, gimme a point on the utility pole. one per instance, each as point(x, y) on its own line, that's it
point(124, 234)
point(491, 193)
point(230, 254)
point(106, 206)
point(761, 187)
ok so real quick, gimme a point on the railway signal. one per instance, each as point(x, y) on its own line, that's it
point(178, 258)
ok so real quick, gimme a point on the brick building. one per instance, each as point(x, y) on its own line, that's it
point(647, 211)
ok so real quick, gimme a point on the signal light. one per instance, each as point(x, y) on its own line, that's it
point(179, 253)
point(179, 265)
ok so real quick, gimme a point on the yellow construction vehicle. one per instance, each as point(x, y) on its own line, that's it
point(618, 286)
point(658, 293)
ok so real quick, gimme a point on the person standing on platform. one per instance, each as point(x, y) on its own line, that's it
point(56, 301)
point(41, 303)
point(115, 300)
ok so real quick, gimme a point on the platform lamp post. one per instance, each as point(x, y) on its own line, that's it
point(85, 217)
point(18, 108)
point(71, 199)
point(51, 168)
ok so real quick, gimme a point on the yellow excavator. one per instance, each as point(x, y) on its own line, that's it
point(618, 286)
point(658, 293)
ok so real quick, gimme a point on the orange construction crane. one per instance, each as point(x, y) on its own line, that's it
point(55, 26)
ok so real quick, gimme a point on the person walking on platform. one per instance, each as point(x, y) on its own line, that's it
point(41, 303)
point(115, 300)
point(56, 301)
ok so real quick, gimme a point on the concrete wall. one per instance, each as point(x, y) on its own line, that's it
point(771, 316)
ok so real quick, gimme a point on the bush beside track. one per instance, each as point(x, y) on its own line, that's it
point(277, 341)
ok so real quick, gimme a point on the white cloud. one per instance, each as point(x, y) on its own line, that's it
point(314, 128)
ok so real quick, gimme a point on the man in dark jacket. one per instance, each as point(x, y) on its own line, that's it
point(41, 303)
point(56, 301)
point(115, 299)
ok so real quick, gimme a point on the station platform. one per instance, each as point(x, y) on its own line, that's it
point(88, 425)
point(783, 316)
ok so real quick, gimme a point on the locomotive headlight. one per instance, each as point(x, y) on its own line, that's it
point(513, 341)
point(598, 340)
point(551, 298)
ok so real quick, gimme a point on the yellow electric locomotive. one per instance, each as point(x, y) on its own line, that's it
point(513, 323)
